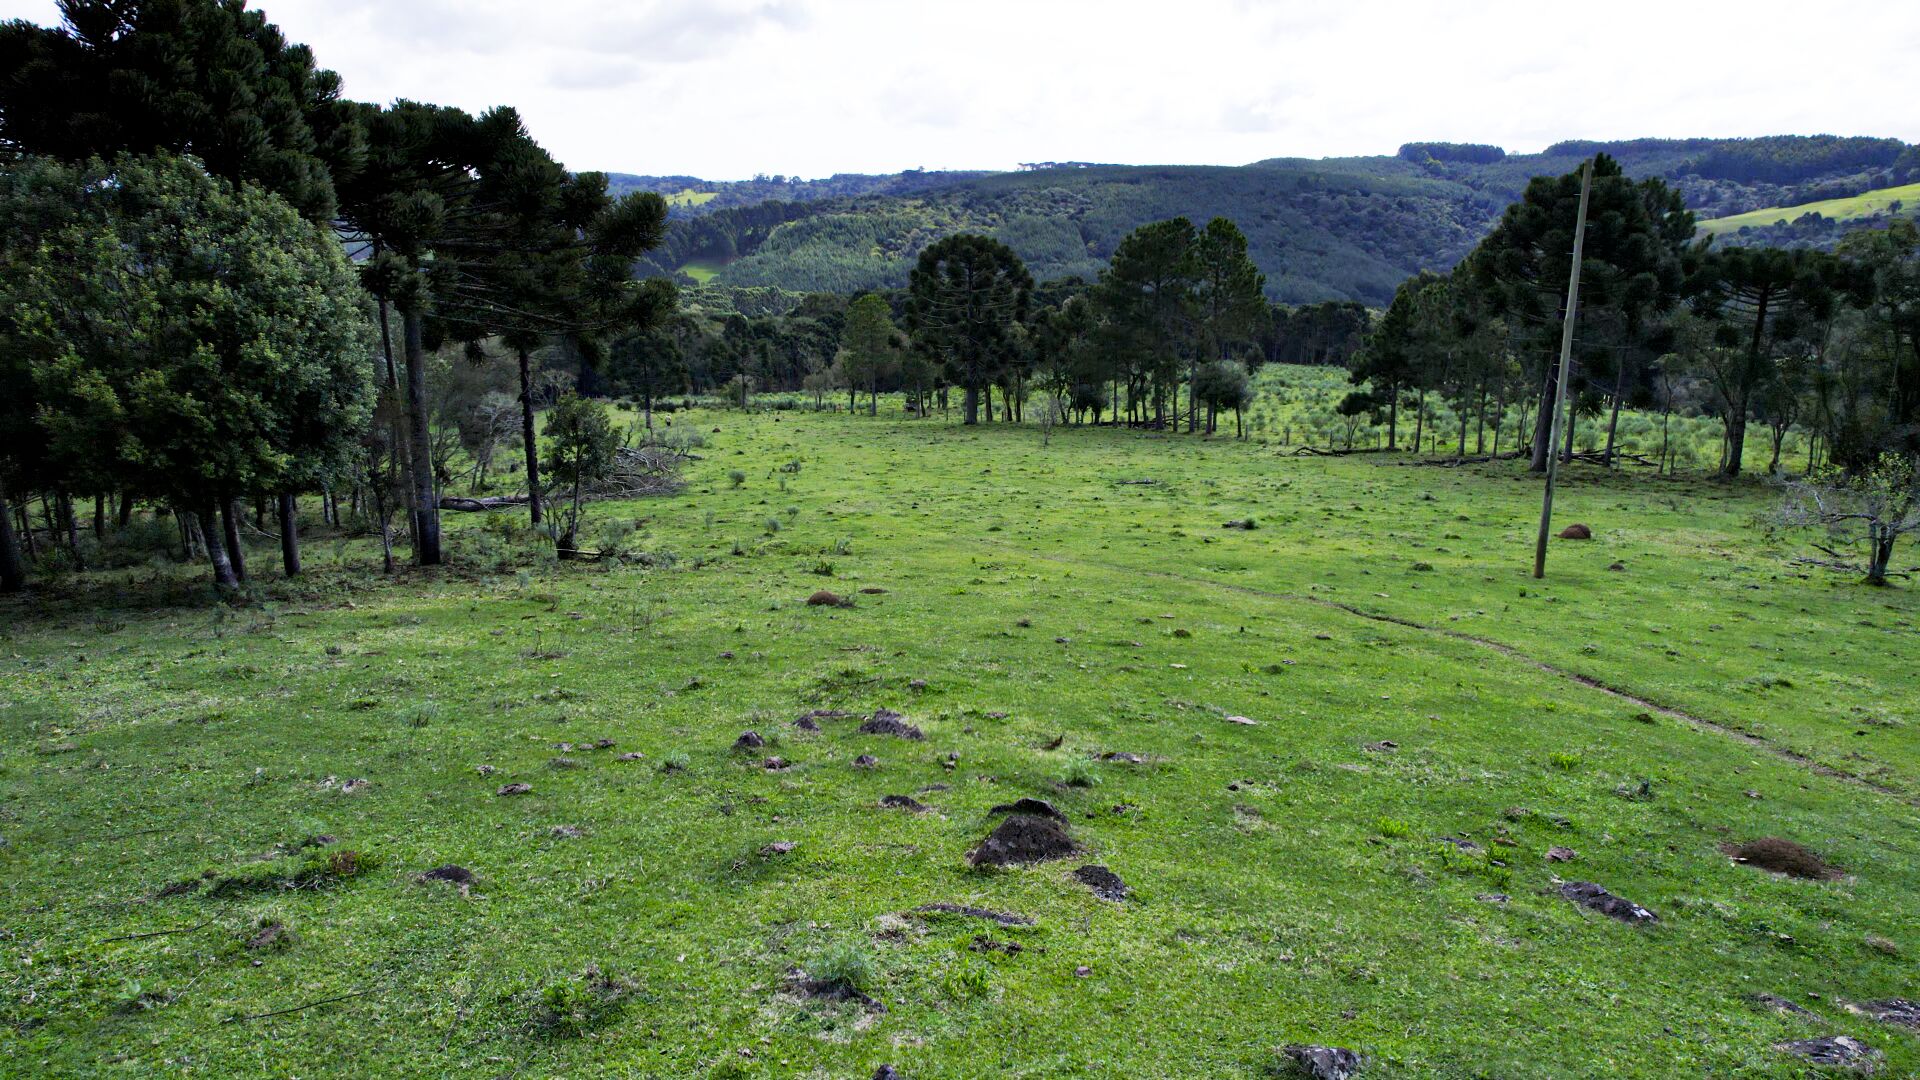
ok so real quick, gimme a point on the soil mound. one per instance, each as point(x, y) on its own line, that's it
point(1035, 807)
point(888, 722)
point(826, 598)
point(1023, 839)
point(903, 802)
point(1105, 883)
point(1782, 857)
point(1576, 531)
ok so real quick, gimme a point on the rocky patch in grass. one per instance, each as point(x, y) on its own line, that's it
point(1595, 898)
point(903, 802)
point(1897, 1011)
point(749, 740)
point(1778, 1004)
point(1835, 1051)
point(1323, 1062)
point(515, 789)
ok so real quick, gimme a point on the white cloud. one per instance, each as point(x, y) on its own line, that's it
point(728, 88)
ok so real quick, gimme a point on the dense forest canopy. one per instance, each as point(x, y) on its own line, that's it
point(1320, 230)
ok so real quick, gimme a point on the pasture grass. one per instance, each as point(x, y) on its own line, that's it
point(1364, 865)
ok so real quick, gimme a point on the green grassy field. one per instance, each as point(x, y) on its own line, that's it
point(690, 197)
point(701, 272)
point(1857, 206)
point(1364, 865)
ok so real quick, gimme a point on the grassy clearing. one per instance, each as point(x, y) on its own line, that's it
point(1293, 880)
point(690, 197)
point(701, 272)
point(1857, 206)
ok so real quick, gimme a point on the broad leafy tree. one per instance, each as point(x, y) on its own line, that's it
point(188, 338)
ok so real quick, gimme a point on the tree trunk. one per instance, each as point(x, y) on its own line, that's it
point(230, 526)
point(1736, 443)
point(1543, 423)
point(289, 534)
point(71, 527)
point(426, 516)
point(970, 406)
point(1572, 423)
point(224, 577)
point(99, 516)
point(13, 569)
point(1613, 422)
point(125, 518)
point(1193, 400)
point(1419, 420)
point(1393, 417)
point(1882, 553)
point(528, 444)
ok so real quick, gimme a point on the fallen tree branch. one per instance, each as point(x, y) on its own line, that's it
point(239, 1018)
point(155, 933)
point(491, 502)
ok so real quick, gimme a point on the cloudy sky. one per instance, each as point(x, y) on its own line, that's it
point(725, 89)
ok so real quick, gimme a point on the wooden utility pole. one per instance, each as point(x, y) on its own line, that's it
point(1566, 371)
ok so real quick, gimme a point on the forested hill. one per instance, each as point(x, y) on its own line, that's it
point(1320, 229)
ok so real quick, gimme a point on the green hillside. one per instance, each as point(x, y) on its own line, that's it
point(1320, 229)
point(1891, 200)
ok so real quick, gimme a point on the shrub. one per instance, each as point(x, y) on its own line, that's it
point(736, 477)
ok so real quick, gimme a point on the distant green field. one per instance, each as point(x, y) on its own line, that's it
point(690, 197)
point(1858, 206)
point(701, 272)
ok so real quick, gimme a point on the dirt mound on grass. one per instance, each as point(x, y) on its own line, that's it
point(1035, 807)
point(1595, 898)
point(826, 598)
point(1782, 857)
point(455, 874)
point(1105, 883)
point(1576, 531)
point(903, 802)
point(1022, 839)
point(888, 722)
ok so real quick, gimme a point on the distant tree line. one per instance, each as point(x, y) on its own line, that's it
point(1767, 338)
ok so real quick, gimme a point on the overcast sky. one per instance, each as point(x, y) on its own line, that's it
point(725, 89)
